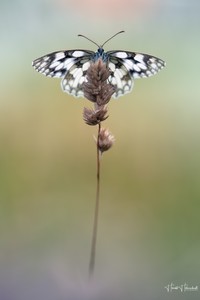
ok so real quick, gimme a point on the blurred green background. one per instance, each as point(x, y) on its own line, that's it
point(149, 212)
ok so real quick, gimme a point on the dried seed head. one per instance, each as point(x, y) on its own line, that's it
point(97, 89)
point(105, 140)
point(94, 117)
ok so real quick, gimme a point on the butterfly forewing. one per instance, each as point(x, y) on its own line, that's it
point(138, 64)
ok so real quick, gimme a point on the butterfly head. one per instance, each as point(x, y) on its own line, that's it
point(100, 54)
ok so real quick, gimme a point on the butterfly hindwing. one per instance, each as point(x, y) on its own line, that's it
point(120, 77)
point(76, 75)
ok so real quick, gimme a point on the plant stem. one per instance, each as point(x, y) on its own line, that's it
point(96, 212)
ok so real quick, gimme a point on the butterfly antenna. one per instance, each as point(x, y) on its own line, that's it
point(89, 39)
point(113, 37)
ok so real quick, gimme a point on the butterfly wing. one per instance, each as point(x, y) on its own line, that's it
point(127, 66)
point(70, 65)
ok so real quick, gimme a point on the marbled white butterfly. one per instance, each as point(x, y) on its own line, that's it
point(72, 66)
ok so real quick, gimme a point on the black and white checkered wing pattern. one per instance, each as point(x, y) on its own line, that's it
point(70, 65)
point(127, 66)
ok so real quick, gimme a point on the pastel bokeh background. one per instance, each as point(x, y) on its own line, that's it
point(149, 213)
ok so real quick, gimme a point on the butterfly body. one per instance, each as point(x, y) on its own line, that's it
point(72, 66)
point(100, 54)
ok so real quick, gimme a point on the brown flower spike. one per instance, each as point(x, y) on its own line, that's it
point(94, 117)
point(98, 90)
point(106, 140)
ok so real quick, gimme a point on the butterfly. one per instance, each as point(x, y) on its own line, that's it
point(72, 66)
